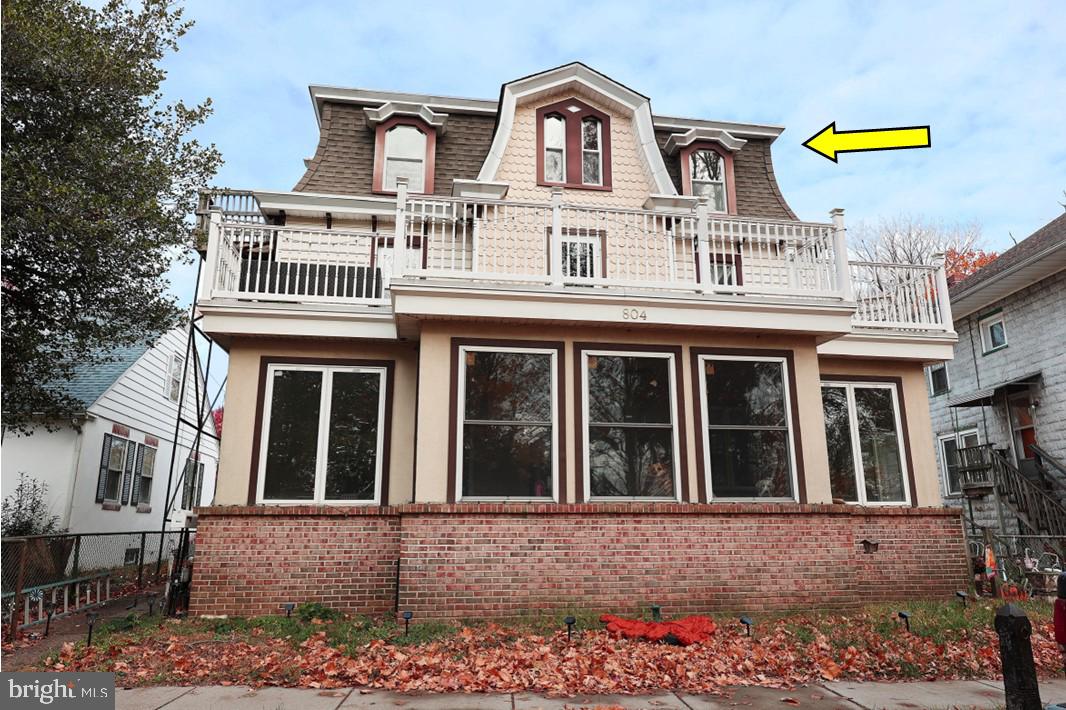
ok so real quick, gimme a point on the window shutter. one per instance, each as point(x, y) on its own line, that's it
point(101, 483)
point(199, 486)
point(127, 477)
point(186, 485)
point(137, 468)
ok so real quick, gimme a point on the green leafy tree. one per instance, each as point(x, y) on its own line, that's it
point(99, 182)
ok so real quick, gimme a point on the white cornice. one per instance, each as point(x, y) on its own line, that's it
point(750, 130)
point(420, 111)
point(677, 141)
point(477, 189)
point(370, 97)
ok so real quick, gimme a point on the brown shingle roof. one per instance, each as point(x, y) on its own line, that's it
point(1052, 233)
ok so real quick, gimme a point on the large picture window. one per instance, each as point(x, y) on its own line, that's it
point(864, 440)
point(508, 435)
point(748, 444)
point(323, 434)
point(630, 445)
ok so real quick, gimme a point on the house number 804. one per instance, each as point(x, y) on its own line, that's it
point(634, 314)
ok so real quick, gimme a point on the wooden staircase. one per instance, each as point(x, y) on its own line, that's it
point(984, 470)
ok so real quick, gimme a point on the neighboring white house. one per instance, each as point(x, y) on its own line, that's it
point(106, 466)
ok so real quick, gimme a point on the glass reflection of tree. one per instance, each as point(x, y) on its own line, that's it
point(882, 468)
point(630, 429)
point(351, 463)
point(838, 440)
point(293, 438)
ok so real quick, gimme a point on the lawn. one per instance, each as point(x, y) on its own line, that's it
point(321, 649)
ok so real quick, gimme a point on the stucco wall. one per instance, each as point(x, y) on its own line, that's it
point(242, 394)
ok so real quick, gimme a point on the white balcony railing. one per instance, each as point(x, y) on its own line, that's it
point(558, 245)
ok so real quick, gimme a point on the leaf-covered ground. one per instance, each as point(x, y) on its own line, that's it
point(946, 642)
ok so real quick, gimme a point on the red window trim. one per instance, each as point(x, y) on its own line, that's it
point(730, 182)
point(573, 144)
point(379, 153)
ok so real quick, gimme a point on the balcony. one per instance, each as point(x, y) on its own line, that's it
point(433, 245)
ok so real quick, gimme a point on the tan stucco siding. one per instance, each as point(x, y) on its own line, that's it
point(631, 182)
point(434, 395)
point(238, 440)
point(918, 424)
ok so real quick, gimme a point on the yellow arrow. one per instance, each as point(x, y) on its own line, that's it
point(829, 141)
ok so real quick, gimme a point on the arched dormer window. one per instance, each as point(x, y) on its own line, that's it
point(707, 170)
point(405, 147)
point(573, 146)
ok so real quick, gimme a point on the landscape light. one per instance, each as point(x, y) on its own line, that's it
point(136, 600)
point(407, 622)
point(569, 621)
point(50, 609)
point(962, 597)
point(748, 623)
point(91, 617)
point(656, 612)
point(906, 619)
point(151, 603)
point(288, 609)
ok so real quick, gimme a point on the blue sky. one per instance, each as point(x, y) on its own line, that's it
point(989, 77)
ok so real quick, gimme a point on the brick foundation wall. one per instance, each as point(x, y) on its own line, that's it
point(468, 560)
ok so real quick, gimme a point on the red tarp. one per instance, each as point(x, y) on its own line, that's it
point(691, 629)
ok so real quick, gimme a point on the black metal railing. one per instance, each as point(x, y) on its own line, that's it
point(1037, 509)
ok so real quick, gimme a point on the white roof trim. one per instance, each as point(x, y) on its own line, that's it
point(751, 130)
point(677, 141)
point(671, 203)
point(316, 203)
point(446, 104)
point(1036, 268)
point(596, 83)
point(476, 189)
point(420, 111)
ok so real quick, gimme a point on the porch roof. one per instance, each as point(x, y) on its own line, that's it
point(986, 395)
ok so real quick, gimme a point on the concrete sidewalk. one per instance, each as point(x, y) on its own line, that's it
point(853, 696)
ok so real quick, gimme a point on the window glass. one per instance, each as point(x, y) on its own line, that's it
point(997, 334)
point(630, 428)
point(842, 482)
point(879, 443)
point(591, 157)
point(747, 428)
point(405, 155)
point(949, 450)
point(508, 424)
point(554, 149)
point(292, 449)
point(707, 170)
point(351, 464)
point(581, 256)
point(174, 373)
point(938, 379)
point(115, 466)
point(144, 492)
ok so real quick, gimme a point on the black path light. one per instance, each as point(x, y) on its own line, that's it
point(50, 609)
point(91, 617)
point(961, 596)
point(748, 624)
point(569, 621)
point(136, 601)
point(151, 603)
point(288, 609)
point(656, 612)
point(407, 615)
point(906, 619)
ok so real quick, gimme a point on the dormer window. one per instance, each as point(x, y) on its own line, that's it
point(707, 171)
point(405, 147)
point(574, 146)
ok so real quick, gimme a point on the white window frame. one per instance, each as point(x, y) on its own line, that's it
point(856, 449)
point(547, 148)
point(947, 379)
point(986, 333)
point(172, 383)
point(420, 188)
point(957, 437)
point(587, 423)
point(598, 151)
point(693, 181)
point(327, 372)
point(592, 240)
point(127, 445)
point(791, 433)
point(460, 415)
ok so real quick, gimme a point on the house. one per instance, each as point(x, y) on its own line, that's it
point(106, 466)
point(556, 350)
point(999, 407)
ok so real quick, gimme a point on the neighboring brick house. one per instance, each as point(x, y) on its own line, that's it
point(1006, 386)
point(556, 350)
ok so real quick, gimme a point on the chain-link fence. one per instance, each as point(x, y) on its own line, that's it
point(59, 574)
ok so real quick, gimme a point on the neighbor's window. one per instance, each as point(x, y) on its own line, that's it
point(554, 148)
point(115, 458)
point(323, 432)
point(949, 457)
point(707, 173)
point(630, 445)
point(405, 156)
point(748, 436)
point(192, 484)
point(574, 144)
point(864, 441)
point(172, 384)
point(508, 434)
point(938, 378)
point(143, 475)
point(993, 333)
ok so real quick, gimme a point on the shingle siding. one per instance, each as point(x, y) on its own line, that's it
point(1035, 319)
